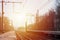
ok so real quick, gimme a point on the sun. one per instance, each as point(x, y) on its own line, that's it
point(19, 19)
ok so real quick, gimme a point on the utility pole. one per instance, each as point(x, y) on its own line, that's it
point(26, 26)
point(2, 15)
point(37, 16)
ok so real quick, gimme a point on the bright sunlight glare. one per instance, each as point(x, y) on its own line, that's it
point(19, 20)
point(19, 16)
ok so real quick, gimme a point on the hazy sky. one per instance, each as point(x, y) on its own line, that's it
point(26, 7)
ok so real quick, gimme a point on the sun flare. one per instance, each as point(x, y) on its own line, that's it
point(19, 20)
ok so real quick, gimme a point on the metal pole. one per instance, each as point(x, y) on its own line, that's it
point(2, 16)
point(26, 25)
